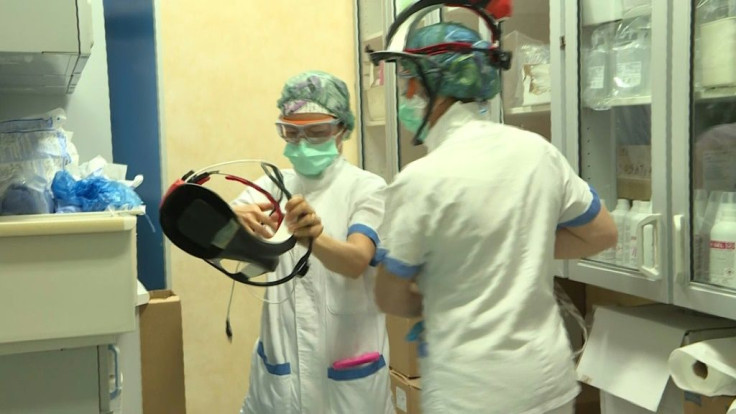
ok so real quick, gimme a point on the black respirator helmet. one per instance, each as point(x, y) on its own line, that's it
point(201, 223)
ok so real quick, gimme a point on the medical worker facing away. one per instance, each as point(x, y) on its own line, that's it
point(476, 224)
point(330, 314)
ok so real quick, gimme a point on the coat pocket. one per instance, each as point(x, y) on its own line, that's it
point(363, 389)
point(270, 385)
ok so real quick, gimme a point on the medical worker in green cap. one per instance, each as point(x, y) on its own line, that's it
point(471, 231)
point(323, 347)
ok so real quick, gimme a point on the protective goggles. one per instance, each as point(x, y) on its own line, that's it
point(312, 132)
point(201, 223)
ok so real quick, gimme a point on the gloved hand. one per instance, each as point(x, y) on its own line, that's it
point(253, 218)
point(303, 222)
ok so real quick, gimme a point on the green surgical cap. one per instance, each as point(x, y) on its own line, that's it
point(321, 88)
point(462, 75)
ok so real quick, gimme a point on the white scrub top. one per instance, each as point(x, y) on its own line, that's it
point(328, 317)
point(476, 220)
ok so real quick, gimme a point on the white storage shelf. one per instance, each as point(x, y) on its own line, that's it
point(66, 276)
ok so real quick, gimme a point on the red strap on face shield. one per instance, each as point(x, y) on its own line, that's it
point(500, 8)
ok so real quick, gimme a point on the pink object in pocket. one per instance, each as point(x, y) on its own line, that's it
point(356, 361)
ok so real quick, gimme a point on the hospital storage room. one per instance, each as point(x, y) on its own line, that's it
point(368, 207)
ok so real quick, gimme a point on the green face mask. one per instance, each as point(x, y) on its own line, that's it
point(411, 115)
point(310, 160)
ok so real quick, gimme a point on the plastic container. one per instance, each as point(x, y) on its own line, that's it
point(709, 219)
point(632, 57)
point(619, 217)
point(718, 58)
point(626, 235)
point(648, 242)
point(597, 68)
point(722, 266)
point(700, 202)
point(642, 211)
point(608, 255)
point(597, 12)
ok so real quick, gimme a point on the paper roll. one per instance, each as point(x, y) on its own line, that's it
point(732, 408)
point(707, 368)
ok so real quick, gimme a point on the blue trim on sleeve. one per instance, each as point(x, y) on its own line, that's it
point(356, 373)
point(400, 268)
point(588, 216)
point(366, 231)
point(378, 257)
point(273, 369)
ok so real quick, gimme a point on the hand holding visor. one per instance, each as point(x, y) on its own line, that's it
point(201, 223)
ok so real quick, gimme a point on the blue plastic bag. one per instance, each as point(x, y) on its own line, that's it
point(26, 199)
point(94, 193)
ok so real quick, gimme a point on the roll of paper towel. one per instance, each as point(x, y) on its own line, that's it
point(707, 368)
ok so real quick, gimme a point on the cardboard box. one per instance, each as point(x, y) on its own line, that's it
point(588, 401)
point(405, 393)
point(162, 354)
point(698, 404)
point(634, 172)
point(628, 351)
point(404, 355)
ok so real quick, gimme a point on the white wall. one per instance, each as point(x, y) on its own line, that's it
point(88, 108)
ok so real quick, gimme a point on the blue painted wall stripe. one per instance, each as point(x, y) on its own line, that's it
point(131, 62)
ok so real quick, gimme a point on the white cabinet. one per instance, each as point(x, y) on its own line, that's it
point(643, 105)
point(44, 45)
point(616, 130)
point(703, 96)
point(64, 277)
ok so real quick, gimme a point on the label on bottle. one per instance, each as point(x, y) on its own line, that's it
point(629, 74)
point(633, 251)
point(722, 261)
point(596, 75)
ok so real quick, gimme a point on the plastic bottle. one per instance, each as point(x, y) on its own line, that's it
point(608, 255)
point(632, 55)
point(619, 217)
point(709, 219)
point(700, 201)
point(648, 242)
point(626, 236)
point(597, 67)
point(641, 213)
point(722, 244)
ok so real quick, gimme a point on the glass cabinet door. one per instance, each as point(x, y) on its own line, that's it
point(527, 85)
point(407, 151)
point(709, 131)
point(622, 136)
point(375, 149)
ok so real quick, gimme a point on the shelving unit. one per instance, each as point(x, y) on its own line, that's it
point(531, 109)
point(716, 94)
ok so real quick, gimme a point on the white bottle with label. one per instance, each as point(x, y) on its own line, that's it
point(722, 244)
point(700, 202)
point(641, 213)
point(648, 242)
point(608, 255)
point(619, 217)
point(632, 54)
point(709, 220)
point(626, 235)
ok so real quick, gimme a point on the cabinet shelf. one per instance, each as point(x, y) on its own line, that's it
point(630, 101)
point(634, 100)
point(530, 109)
point(716, 94)
point(372, 38)
point(372, 124)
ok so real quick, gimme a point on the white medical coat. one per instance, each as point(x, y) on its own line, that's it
point(476, 220)
point(329, 317)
